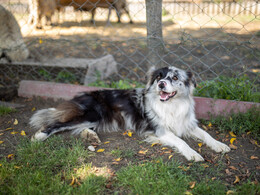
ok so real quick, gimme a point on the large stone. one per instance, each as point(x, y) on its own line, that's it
point(100, 68)
point(12, 46)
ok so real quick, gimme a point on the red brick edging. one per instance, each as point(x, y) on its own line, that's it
point(204, 106)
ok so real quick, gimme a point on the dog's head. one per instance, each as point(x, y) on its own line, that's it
point(170, 82)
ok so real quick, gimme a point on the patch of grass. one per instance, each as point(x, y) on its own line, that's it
point(238, 88)
point(174, 178)
point(48, 168)
point(6, 110)
point(117, 153)
point(240, 123)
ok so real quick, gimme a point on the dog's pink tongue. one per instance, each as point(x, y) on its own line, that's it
point(164, 95)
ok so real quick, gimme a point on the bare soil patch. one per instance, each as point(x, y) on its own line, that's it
point(120, 150)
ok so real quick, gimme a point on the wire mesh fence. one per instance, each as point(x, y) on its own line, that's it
point(211, 38)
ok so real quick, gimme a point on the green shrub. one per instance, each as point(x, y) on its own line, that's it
point(238, 88)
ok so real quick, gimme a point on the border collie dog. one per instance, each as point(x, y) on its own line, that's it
point(162, 112)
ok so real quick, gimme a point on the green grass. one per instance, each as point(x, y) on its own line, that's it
point(48, 168)
point(238, 88)
point(6, 110)
point(172, 178)
point(121, 84)
point(240, 123)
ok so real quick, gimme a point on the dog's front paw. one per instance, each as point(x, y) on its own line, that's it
point(220, 147)
point(193, 156)
point(90, 135)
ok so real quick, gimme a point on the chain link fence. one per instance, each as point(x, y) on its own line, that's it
point(209, 37)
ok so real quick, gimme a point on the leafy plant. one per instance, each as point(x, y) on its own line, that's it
point(238, 88)
point(67, 77)
point(45, 74)
point(6, 110)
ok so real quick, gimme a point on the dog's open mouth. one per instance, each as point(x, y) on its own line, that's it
point(164, 96)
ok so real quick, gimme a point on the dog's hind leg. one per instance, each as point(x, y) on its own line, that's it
point(76, 128)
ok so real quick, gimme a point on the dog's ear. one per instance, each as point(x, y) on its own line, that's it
point(149, 75)
point(191, 78)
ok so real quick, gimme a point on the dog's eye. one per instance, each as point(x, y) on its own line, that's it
point(158, 77)
point(175, 78)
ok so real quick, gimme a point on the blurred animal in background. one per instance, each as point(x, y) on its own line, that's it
point(12, 45)
point(39, 9)
point(46, 8)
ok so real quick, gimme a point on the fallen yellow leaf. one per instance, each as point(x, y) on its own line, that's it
point(33, 109)
point(210, 124)
point(117, 159)
point(15, 122)
point(23, 133)
point(72, 181)
point(129, 133)
point(253, 157)
point(1, 133)
point(232, 134)
point(192, 184)
point(200, 144)
point(205, 165)
point(188, 193)
point(232, 146)
point(17, 167)
point(164, 148)
point(100, 150)
point(14, 132)
point(153, 144)
point(183, 168)
point(10, 155)
point(143, 151)
point(232, 140)
point(170, 157)
point(230, 192)
point(1, 142)
point(40, 41)
point(0, 165)
point(237, 180)
point(107, 142)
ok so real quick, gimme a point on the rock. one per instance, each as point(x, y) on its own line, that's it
point(91, 148)
point(100, 68)
point(12, 46)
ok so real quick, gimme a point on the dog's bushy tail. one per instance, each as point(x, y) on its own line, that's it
point(65, 112)
point(44, 118)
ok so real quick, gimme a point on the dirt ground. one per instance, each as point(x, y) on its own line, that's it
point(242, 161)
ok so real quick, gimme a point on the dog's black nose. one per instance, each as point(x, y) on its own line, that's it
point(161, 84)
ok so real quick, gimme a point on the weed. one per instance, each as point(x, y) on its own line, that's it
point(6, 110)
point(117, 153)
point(238, 88)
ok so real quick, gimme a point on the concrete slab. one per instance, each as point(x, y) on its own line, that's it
point(205, 107)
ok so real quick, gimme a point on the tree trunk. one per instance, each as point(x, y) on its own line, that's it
point(154, 32)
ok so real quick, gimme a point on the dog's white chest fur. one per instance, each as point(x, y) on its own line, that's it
point(174, 116)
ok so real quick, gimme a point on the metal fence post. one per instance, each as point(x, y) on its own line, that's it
point(154, 32)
